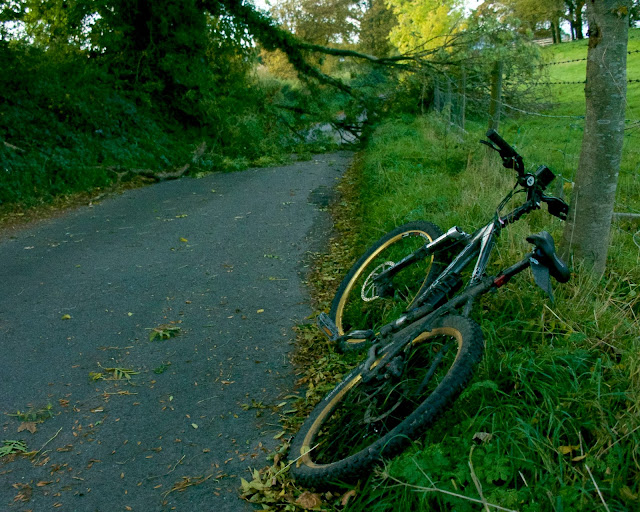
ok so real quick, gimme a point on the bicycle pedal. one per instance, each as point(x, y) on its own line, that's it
point(327, 326)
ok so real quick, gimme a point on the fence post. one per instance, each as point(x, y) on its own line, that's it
point(463, 96)
point(496, 96)
point(448, 99)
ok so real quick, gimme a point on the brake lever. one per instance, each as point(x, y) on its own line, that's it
point(507, 161)
point(490, 144)
point(557, 207)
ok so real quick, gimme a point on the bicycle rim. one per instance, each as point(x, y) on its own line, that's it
point(360, 307)
point(377, 419)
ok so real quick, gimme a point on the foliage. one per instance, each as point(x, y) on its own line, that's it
point(424, 25)
point(530, 15)
point(10, 447)
point(119, 90)
point(377, 23)
point(164, 332)
point(35, 415)
point(320, 22)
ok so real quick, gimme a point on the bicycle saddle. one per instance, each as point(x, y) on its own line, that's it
point(546, 252)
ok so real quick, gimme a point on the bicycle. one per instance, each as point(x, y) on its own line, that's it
point(406, 302)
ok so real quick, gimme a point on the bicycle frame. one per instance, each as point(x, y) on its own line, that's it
point(479, 247)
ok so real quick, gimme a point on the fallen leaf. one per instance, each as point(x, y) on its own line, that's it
point(308, 500)
point(183, 240)
point(260, 311)
point(564, 450)
point(66, 317)
point(227, 381)
point(28, 425)
point(627, 494)
point(482, 437)
point(347, 496)
point(25, 492)
point(579, 458)
point(194, 425)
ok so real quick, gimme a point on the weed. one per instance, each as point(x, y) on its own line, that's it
point(162, 368)
point(115, 373)
point(164, 332)
point(35, 415)
point(12, 447)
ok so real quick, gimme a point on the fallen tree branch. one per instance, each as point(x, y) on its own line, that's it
point(175, 174)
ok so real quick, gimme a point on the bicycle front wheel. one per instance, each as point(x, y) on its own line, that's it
point(359, 305)
point(358, 423)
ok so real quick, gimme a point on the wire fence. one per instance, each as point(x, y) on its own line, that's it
point(633, 123)
point(629, 81)
point(577, 60)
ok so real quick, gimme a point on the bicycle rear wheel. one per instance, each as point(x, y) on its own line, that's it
point(358, 305)
point(358, 423)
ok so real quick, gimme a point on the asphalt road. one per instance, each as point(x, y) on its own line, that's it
point(222, 259)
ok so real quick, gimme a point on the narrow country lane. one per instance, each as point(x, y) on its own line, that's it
point(219, 258)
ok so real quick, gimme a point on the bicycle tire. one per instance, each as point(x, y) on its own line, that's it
point(357, 424)
point(350, 312)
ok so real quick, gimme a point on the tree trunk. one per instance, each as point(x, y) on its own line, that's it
point(579, 7)
point(496, 96)
point(572, 19)
point(587, 231)
point(558, 30)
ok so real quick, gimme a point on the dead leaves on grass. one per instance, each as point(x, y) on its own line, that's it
point(273, 488)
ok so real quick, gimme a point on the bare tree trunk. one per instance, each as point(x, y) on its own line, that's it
point(579, 7)
point(496, 96)
point(586, 234)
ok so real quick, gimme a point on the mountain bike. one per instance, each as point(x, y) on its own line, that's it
point(407, 303)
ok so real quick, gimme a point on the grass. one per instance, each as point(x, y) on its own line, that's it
point(551, 420)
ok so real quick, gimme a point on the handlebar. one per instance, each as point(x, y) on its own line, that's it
point(510, 157)
point(506, 151)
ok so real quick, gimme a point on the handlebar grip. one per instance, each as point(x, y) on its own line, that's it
point(506, 151)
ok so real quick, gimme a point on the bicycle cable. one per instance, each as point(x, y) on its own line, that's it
point(506, 200)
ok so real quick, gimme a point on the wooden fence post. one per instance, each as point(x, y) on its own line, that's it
point(463, 96)
point(448, 99)
point(495, 106)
